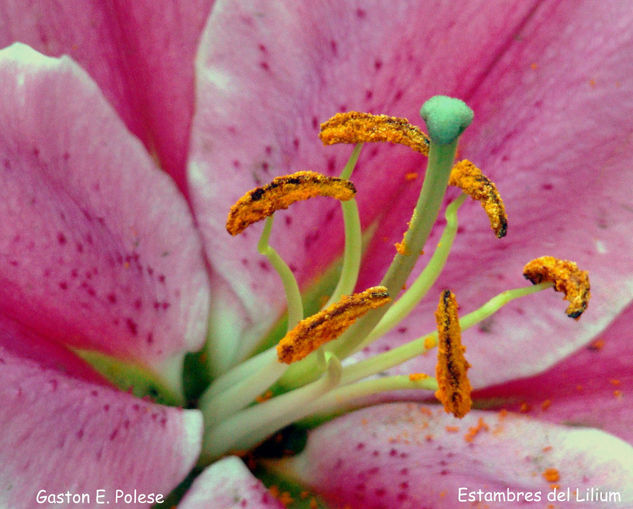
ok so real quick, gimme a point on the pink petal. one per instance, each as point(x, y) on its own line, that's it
point(228, 484)
point(266, 77)
point(408, 455)
point(552, 128)
point(98, 246)
point(593, 387)
point(140, 54)
point(64, 430)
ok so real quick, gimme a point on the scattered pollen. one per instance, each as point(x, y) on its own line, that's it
point(282, 192)
point(567, 278)
point(401, 248)
point(452, 429)
point(454, 386)
point(597, 345)
point(264, 397)
point(284, 497)
point(416, 377)
point(473, 431)
point(551, 475)
point(430, 342)
point(475, 184)
point(329, 323)
point(355, 127)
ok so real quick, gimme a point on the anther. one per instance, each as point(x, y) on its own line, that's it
point(454, 386)
point(328, 324)
point(282, 192)
point(567, 278)
point(475, 184)
point(355, 127)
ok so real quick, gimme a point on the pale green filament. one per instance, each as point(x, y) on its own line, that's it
point(347, 397)
point(416, 292)
point(351, 162)
point(217, 406)
point(247, 428)
point(352, 254)
point(293, 295)
point(239, 372)
point(498, 301)
point(353, 237)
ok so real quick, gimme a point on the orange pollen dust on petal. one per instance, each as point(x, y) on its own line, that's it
point(567, 278)
point(282, 192)
point(551, 475)
point(454, 386)
point(355, 127)
point(329, 323)
point(475, 184)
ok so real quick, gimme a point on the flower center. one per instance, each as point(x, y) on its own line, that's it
point(303, 376)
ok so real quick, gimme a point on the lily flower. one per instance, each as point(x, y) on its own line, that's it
point(122, 160)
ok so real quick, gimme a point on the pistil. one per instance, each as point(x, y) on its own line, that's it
point(446, 119)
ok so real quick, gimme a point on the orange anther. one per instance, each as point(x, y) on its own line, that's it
point(454, 386)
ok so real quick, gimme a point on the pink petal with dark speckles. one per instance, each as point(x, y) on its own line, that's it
point(98, 247)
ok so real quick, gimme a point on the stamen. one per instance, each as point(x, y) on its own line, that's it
point(475, 184)
point(283, 192)
point(454, 386)
point(329, 323)
point(355, 127)
point(291, 287)
point(566, 277)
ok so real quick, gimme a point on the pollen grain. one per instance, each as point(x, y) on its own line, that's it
point(328, 324)
point(454, 386)
point(475, 184)
point(354, 127)
point(280, 193)
point(567, 278)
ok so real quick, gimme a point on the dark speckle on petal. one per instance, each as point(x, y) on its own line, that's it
point(132, 326)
